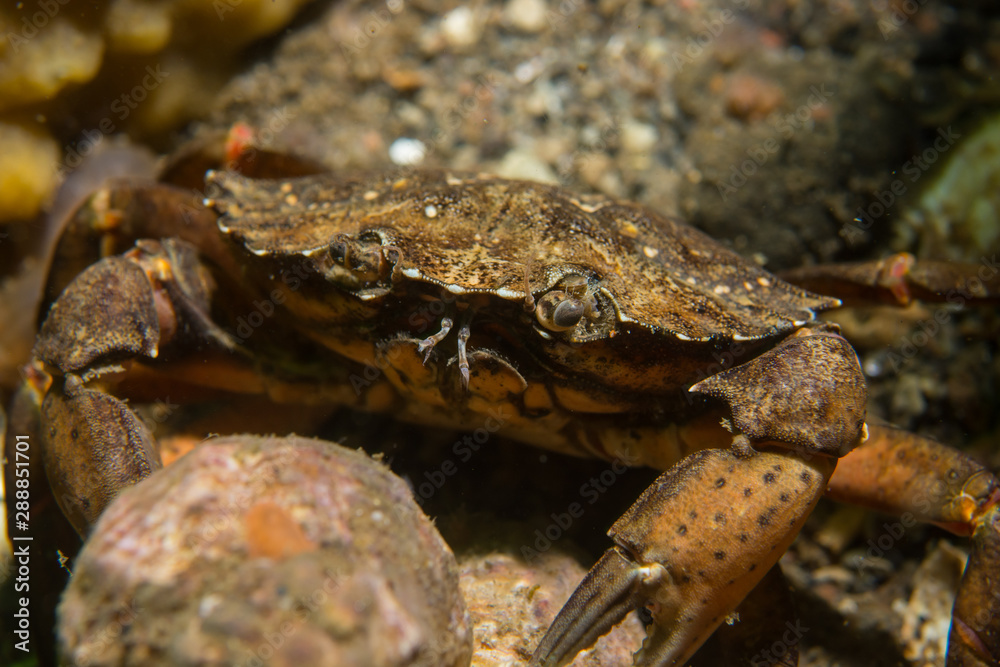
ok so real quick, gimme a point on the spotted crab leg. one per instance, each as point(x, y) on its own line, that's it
point(922, 480)
point(92, 444)
point(703, 535)
point(900, 279)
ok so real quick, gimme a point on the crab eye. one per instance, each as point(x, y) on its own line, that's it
point(568, 313)
point(338, 249)
point(363, 257)
point(558, 311)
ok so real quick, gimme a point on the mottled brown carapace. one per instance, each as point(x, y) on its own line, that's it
point(394, 241)
point(480, 234)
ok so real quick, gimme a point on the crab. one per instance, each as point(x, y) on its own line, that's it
point(575, 323)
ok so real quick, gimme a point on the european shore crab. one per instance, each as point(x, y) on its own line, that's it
point(451, 299)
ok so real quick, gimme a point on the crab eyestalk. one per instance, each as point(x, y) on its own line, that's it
point(699, 540)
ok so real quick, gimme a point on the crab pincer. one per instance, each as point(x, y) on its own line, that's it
point(707, 531)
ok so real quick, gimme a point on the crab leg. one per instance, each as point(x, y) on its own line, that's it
point(95, 448)
point(463, 357)
point(919, 479)
point(704, 534)
point(900, 279)
point(427, 344)
point(93, 444)
point(117, 216)
point(974, 638)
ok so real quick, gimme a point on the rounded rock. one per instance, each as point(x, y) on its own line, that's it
point(281, 551)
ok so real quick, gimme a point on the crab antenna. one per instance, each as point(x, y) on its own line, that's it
point(529, 299)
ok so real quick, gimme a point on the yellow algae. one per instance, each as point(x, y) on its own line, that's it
point(147, 66)
point(27, 170)
point(138, 27)
point(35, 69)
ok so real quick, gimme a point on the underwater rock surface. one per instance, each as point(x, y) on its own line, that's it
point(284, 550)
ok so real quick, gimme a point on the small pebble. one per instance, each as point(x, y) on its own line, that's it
point(407, 152)
point(526, 15)
point(638, 137)
point(460, 28)
point(751, 97)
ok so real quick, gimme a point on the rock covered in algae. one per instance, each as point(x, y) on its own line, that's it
point(278, 551)
point(512, 603)
point(77, 73)
point(958, 213)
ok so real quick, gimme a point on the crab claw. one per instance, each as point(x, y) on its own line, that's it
point(689, 550)
point(701, 538)
point(616, 585)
